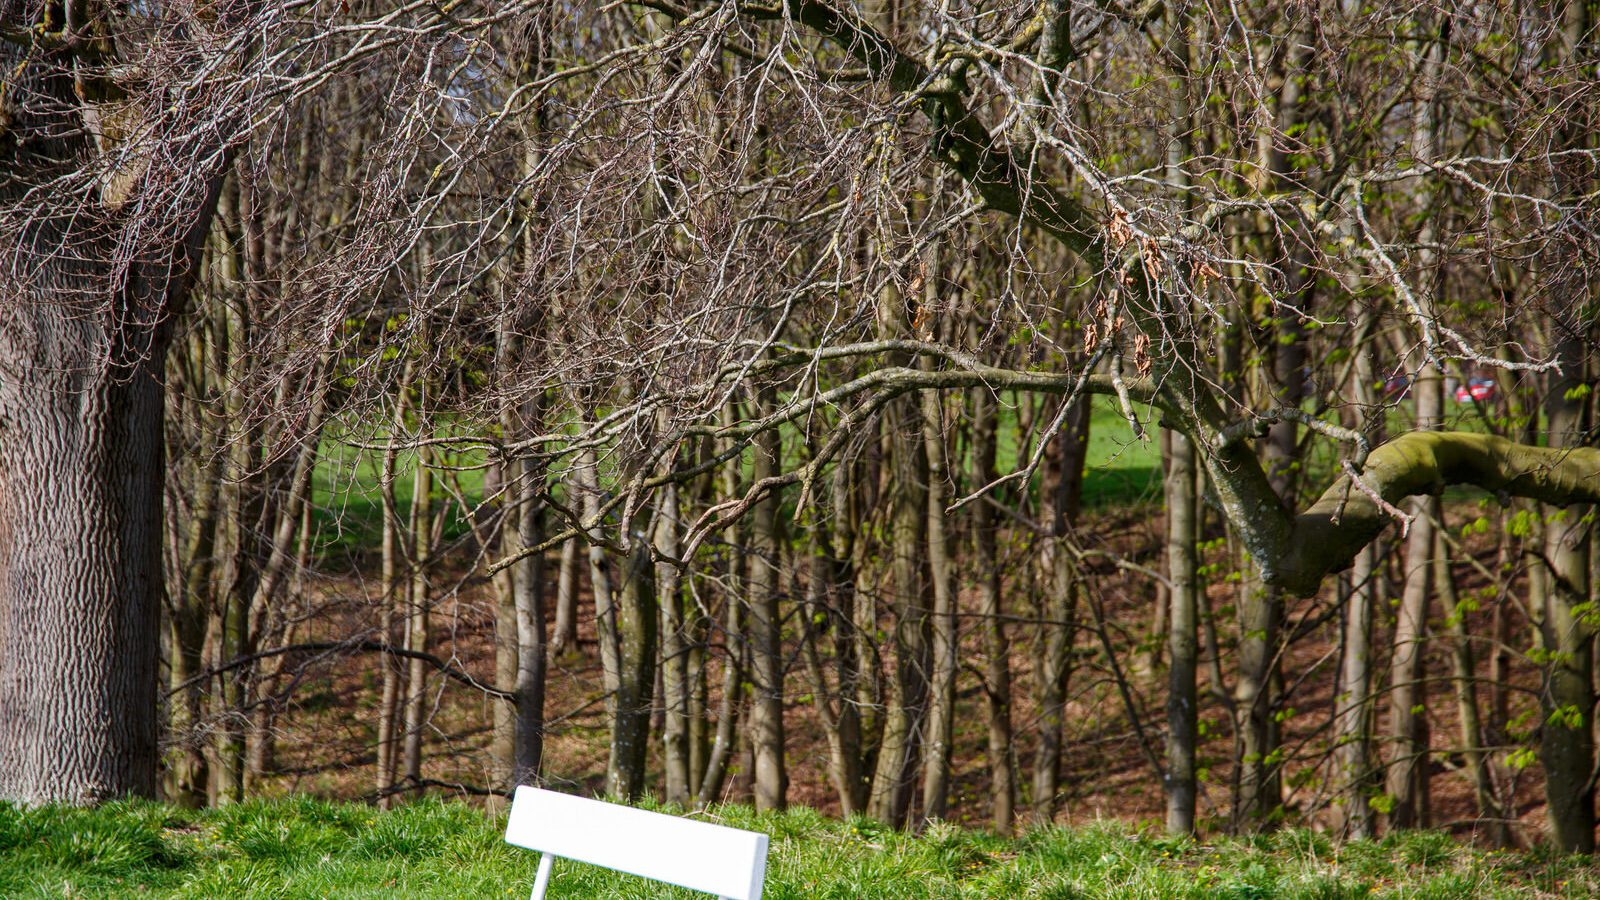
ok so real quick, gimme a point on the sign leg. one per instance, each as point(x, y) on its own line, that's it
point(542, 880)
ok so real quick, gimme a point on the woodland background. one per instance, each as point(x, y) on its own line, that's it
point(839, 404)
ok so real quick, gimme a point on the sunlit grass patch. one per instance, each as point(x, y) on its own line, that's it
point(304, 848)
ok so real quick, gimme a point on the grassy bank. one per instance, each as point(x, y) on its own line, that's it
point(306, 848)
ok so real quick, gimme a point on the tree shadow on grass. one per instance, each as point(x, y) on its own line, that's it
point(1105, 487)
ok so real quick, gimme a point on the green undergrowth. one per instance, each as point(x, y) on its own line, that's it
point(308, 848)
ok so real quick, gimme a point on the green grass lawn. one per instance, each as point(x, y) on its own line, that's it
point(1119, 470)
point(348, 504)
point(307, 848)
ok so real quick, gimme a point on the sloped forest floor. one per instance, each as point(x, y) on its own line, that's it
point(302, 847)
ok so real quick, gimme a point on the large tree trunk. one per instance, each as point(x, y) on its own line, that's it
point(80, 560)
point(84, 327)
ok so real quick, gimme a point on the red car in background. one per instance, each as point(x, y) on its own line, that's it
point(1476, 390)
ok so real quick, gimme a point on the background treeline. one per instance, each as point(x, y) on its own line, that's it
point(753, 383)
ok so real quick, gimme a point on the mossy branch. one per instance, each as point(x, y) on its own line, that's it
point(1328, 535)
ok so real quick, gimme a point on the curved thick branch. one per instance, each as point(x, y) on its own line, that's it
point(1327, 536)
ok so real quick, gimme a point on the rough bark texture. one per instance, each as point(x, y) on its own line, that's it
point(84, 329)
point(80, 564)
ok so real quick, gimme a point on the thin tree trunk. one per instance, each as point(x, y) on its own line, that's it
point(1407, 782)
point(698, 627)
point(265, 619)
point(565, 633)
point(1567, 740)
point(394, 606)
point(586, 479)
point(942, 680)
point(824, 613)
point(1463, 670)
point(1058, 610)
point(732, 673)
point(193, 542)
point(906, 704)
point(231, 630)
point(866, 566)
point(674, 651)
point(1406, 779)
point(499, 527)
point(415, 708)
point(529, 592)
point(996, 642)
point(770, 780)
point(1353, 717)
point(1183, 644)
point(1259, 797)
point(637, 619)
point(735, 651)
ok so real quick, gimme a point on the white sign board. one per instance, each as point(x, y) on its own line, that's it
point(700, 856)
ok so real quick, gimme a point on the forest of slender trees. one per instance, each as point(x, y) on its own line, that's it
point(747, 377)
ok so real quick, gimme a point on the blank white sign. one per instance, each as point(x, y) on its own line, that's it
point(700, 856)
